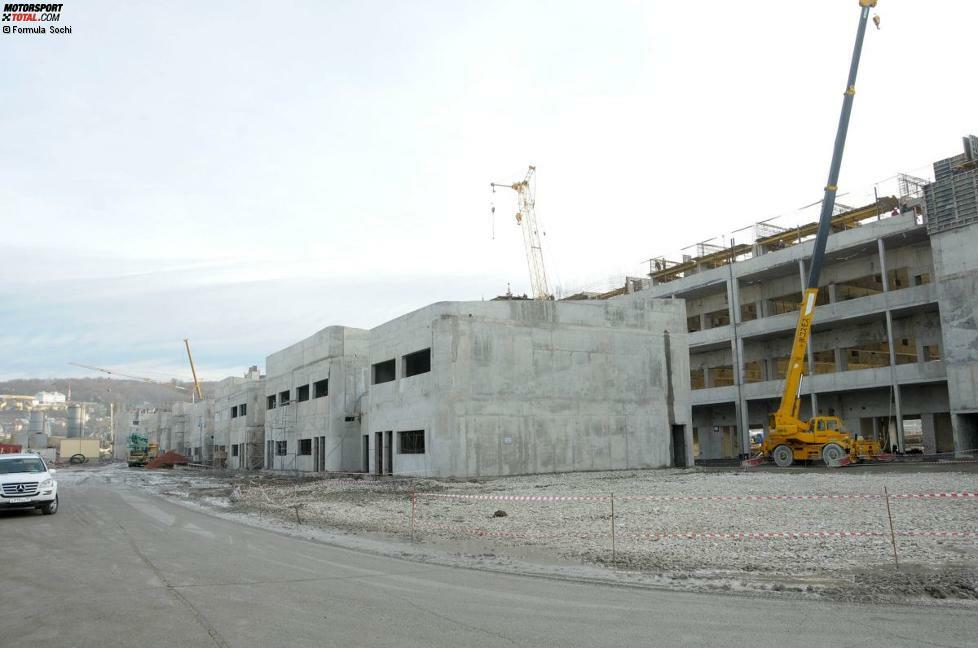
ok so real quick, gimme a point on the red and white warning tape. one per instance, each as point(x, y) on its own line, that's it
point(696, 498)
point(705, 535)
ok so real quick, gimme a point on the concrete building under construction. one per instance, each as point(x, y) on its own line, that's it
point(894, 348)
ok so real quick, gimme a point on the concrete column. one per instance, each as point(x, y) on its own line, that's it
point(929, 432)
point(761, 306)
point(703, 325)
point(889, 340)
point(832, 293)
point(737, 354)
point(919, 348)
point(841, 360)
point(811, 354)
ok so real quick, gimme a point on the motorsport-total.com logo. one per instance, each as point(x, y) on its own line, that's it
point(33, 13)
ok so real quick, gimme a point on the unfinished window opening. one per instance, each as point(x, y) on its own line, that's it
point(242, 409)
point(234, 412)
point(696, 379)
point(721, 376)
point(693, 323)
point(416, 363)
point(305, 446)
point(234, 450)
point(281, 448)
point(867, 356)
point(302, 393)
point(921, 279)
point(411, 442)
point(791, 303)
point(824, 362)
point(748, 312)
point(932, 352)
point(283, 397)
point(906, 350)
point(320, 388)
point(753, 371)
point(717, 318)
point(270, 402)
point(383, 371)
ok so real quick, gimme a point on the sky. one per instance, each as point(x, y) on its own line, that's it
point(244, 174)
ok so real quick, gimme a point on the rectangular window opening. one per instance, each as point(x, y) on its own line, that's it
point(383, 372)
point(270, 402)
point(281, 448)
point(242, 409)
point(320, 388)
point(234, 412)
point(305, 446)
point(416, 363)
point(411, 442)
point(302, 393)
point(234, 450)
point(283, 397)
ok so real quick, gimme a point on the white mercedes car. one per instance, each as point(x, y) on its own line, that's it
point(27, 482)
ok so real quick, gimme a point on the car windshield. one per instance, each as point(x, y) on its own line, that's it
point(21, 465)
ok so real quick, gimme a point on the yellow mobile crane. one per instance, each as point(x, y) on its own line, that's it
point(790, 438)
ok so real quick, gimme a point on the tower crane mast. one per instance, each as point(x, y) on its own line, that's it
point(526, 218)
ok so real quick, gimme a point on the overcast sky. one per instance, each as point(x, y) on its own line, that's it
point(246, 173)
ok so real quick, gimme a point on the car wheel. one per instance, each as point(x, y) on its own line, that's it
point(783, 456)
point(51, 507)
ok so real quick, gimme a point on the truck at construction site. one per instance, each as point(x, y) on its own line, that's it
point(140, 451)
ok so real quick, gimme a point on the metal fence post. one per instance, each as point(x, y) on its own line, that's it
point(889, 515)
point(613, 547)
point(414, 506)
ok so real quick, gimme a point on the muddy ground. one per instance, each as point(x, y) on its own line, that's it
point(562, 534)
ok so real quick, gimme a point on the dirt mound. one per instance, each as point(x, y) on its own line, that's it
point(167, 460)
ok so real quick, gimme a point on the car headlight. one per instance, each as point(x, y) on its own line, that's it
point(47, 483)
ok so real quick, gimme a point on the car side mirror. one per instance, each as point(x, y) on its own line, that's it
point(52, 471)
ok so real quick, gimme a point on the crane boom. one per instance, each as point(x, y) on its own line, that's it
point(124, 375)
point(790, 438)
point(790, 397)
point(193, 370)
point(526, 218)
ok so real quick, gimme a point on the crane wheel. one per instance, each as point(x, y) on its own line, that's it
point(832, 453)
point(783, 456)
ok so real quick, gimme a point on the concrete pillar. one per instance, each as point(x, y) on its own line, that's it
point(832, 293)
point(889, 338)
point(841, 359)
point(737, 354)
point(761, 306)
point(703, 325)
point(965, 428)
point(929, 432)
point(811, 354)
point(919, 348)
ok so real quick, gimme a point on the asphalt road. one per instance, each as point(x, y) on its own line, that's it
point(121, 568)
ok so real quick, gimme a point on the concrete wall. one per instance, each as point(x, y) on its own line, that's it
point(529, 386)
point(242, 435)
point(331, 423)
point(956, 269)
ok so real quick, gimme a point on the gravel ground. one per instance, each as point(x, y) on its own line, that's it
point(852, 568)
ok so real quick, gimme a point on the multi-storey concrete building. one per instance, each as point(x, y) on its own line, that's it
point(894, 347)
point(313, 392)
point(513, 387)
point(239, 421)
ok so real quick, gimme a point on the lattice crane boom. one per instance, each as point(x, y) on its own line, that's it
point(526, 218)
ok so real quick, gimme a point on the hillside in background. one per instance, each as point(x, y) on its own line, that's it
point(107, 390)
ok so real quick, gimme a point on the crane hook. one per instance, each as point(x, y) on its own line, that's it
point(876, 21)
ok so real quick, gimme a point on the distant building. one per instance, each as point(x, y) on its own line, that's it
point(50, 398)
